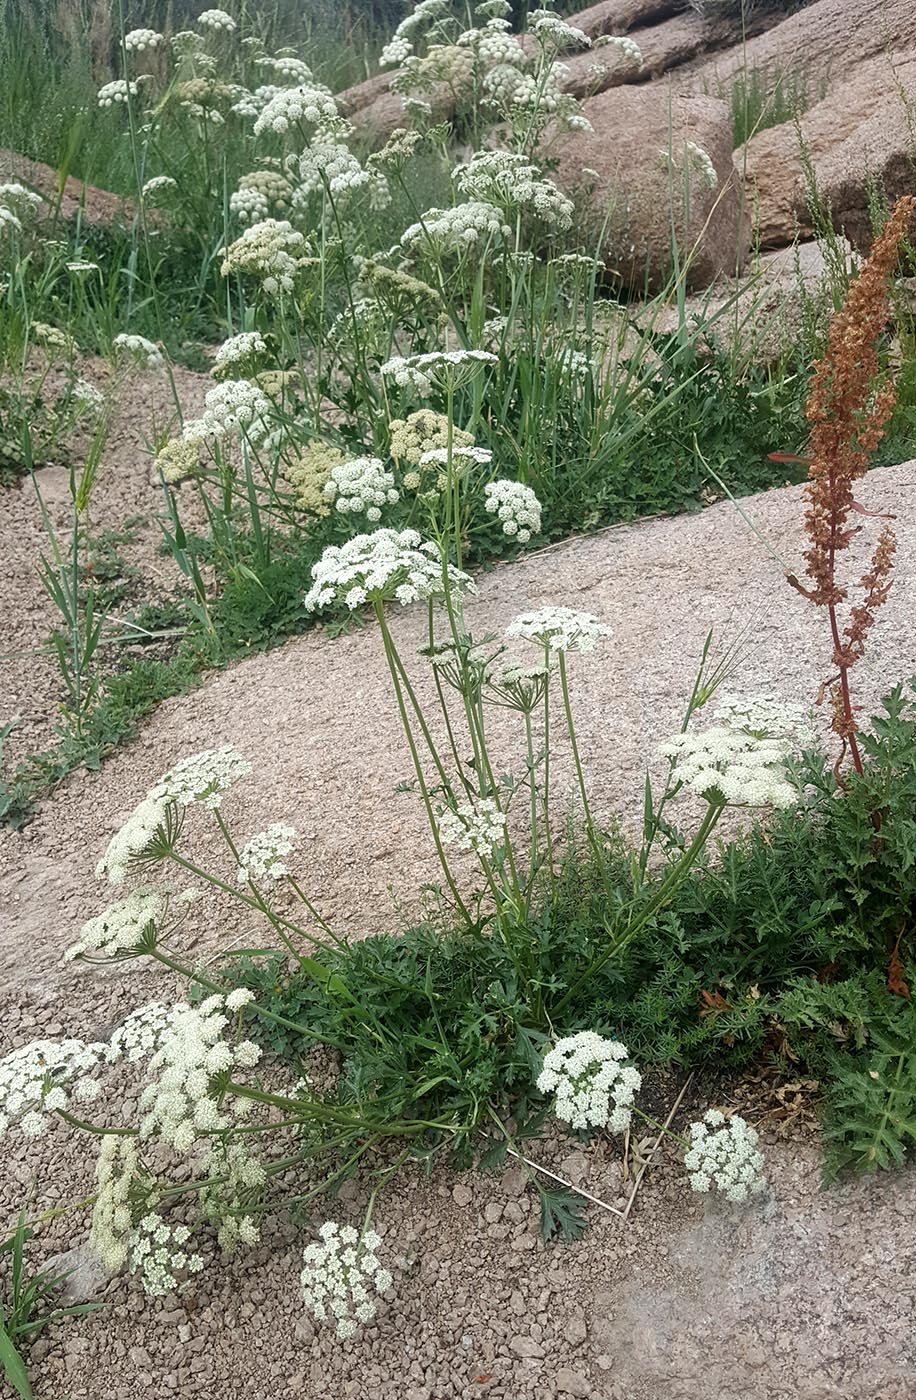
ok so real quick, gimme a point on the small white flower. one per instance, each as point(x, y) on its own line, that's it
point(723, 1156)
point(384, 565)
point(361, 487)
point(142, 40)
point(517, 507)
point(559, 629)
point(341, 1277)
point(592, 1085)
point(138, 348)
point(472, 826)
point(218, 21)
point(117, 93)
point(201, 777)
point(262, 858)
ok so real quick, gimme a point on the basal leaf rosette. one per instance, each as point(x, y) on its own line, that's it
point(385, 565)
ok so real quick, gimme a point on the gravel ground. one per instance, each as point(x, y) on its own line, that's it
point(809, 1297)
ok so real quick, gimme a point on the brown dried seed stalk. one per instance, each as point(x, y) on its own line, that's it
point(847, 408)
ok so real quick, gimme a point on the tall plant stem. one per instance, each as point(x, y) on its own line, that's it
point(392, 658)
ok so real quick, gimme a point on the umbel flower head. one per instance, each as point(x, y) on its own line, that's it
point(378, 567)
point(725, 765)
point(342, 1277)
point(472, 826)
point(560, 629)
point(592, 1085)
point(723, 1156)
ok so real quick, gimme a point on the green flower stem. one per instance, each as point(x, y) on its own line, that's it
point(548, 835)
point(668, 886)
point(393, 666)
point(665, 1132)
point(91, 1127)
point(590, 828)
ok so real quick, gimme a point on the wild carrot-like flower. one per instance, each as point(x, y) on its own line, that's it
point(847, 408)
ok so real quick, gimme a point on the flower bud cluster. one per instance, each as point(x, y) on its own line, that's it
point(517, 508)
point(361, 487)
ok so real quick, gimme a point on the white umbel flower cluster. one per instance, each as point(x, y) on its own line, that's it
point(157, 1252)
point(239, 351)
point(341, 1276)
point(116, 1169)
point(327, 164)
point(724, 1156)
point(307, 106)
point(766, 718)
point(549, 28)
point(140, 1035)
point(33, 1080)
point(138, 348)
point(184, 1104)
point(463, 228)
point(117, 93)
point(120, 928)
point(725, 765)
point(156, 186)
point(218, 21)
point(236, 406)
point(560, 629)
point(472, 826)
point(131, 839)
point(202, 777)
point(361, 487)
point(269, 251)
point(260, 193)
point(442, 367)
point(388, 564)
point(262, 858)
point(142, 40)
point(592, 1085)
point(516, 506)
point(508, 181)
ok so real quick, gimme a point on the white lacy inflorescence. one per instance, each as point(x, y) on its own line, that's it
point(140, 349)
point(388, 564)
point(586, 1074)
point(140, 40)
point(723, 1156)
point(308, 105)
point(517, 507)
point(186, 1102)
point(201, 777)
point(262, 858)
point(456, 230)
point(342, 1277)
point(361, 487)
point(269, 251)
point(725, 765)
point(440, 366)
point(120, 928)
point(472, 826)
point(560, 629)
point(235, 406)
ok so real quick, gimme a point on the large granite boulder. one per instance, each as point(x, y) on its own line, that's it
point(859, 137)
point(656, 170)
point(824, 42)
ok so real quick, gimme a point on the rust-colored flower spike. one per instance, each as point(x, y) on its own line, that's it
point(847, 408)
